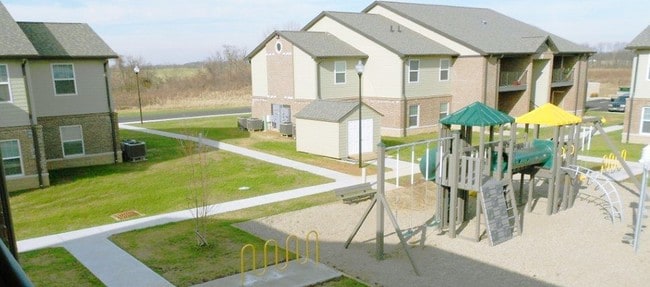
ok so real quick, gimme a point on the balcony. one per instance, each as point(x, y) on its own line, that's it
point(562, 77)
point(510, 81)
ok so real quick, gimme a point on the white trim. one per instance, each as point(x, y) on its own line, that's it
point(647, 68)
point(448, 69)
point(83, 145)
point(416, 71)
point(446, 111)
point(643, 111)
point(8, 83)
point(417, 116)
point(278, 49)
point(74, 79)
point(344, 72)
point(19, 157)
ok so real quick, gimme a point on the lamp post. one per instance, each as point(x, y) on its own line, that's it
point(645, 161)
point(359, 67)
point(136, 69)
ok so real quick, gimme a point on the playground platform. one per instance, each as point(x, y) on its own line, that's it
point(296, 275)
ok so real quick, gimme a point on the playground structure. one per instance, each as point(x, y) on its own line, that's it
point(459, 165)
point(280, 267)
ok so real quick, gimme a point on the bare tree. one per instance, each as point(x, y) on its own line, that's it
point(198, 193)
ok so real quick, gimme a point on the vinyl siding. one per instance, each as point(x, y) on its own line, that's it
point(90, 83)
point(642, 85)
point(304, 75)
point(15, 113)
point(366, 113)
point(331, 90)
point(317, 137)
point(259, 80)
point(382, 74)
point(429, 83)
point(451, 44)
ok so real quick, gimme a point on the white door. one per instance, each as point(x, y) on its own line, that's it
point(366, 136)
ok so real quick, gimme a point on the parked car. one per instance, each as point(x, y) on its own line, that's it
point(618, 104)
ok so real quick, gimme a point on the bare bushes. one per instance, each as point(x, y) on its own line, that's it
point(223, 80)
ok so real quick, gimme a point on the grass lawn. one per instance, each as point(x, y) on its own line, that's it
point(56, 267)
point(225, 129)
point(86, 197)
point(171, 249)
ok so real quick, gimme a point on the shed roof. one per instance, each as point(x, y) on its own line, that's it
point(641, 41)
point(76, 40)
point(481, 29)
point(479, 115)
point(548, 114)
point(13, 41)
point(328, 111)
point(390, 34)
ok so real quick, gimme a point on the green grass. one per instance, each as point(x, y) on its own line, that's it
point(171, 249)
point(86, 197)
point(56, 267)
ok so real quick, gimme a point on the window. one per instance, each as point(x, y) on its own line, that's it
point(444, 69)
point(278, 47)
point(414, 71)
point(11, 158)
point(645, 120)
point(72, 140)
point(64, 83)
point(5, 90)
point(648, 68)
point(414, 115)
point(444, 110)
point(339, 72)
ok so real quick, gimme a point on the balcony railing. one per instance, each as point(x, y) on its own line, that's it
point(512, 81)
point(562, 77)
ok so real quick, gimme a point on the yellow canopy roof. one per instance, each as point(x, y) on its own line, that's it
point(548, 114)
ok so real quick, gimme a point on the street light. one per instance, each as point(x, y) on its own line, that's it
point(136, 69)
point(640, 209)
point(359, 68)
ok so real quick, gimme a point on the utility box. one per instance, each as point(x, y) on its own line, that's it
point(133, 150)
point(254, 124)
point(286, 129)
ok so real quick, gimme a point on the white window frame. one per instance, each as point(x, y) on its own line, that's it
point(19, 157)
point(644, 110)
point(648, 77)
point(278, 46)
point(74, 79)
point(83, 144)
point(11, 97)
point(416, 115)
point(446, 110)
point(416, 71)
point(337, 72)
point(448, 70)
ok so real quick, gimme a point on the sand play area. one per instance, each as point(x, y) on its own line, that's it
point(575, 247)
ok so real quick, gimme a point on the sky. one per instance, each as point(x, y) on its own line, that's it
point(178, 32)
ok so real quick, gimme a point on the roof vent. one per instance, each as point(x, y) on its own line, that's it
point(484, 22)
point(399, 28)
point(391, 28)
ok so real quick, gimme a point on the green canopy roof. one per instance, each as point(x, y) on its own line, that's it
point(477, 115)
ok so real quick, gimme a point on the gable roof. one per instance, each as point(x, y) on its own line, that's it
point(548, 114)
point(76, 40)
point(394, 37)
point(641, 41)
point(13, 41)
point(483, 30)
point(477, 114)
point(315, 44)
point(329, 111)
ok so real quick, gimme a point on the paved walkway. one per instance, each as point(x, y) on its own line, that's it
point(115, 267)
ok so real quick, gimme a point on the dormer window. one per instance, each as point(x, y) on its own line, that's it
point(5, 90)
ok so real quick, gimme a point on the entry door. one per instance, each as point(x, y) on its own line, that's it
point(280, 114)
point(366, 136)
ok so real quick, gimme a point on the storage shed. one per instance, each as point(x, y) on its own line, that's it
point(331, 128)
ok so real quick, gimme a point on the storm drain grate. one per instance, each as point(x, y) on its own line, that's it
point(126, 215)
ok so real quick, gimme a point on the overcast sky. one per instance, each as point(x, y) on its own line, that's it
point(181, 31)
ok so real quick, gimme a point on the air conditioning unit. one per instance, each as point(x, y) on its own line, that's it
point(133, 150)
point(254, 124)
point(286, 129)
point(241, 123)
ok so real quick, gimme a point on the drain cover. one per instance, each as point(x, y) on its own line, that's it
point(126, 215)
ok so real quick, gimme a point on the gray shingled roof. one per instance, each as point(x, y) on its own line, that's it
point(483, 30)
point(398, 39)
point(327, 111)
point(321, 44)
point(641, 41)
point(13, 41)
point(66, 40)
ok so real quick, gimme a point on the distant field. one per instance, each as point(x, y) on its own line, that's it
point(609, 79)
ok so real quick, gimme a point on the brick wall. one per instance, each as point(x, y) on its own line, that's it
point(635, 124)
point(30, 171)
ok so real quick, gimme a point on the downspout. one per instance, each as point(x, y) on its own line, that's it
point(32, 125)
point(631, 109)
point(318, 84)
point(575, 106)
point(111, 113)
point(485, 79)
point(404, 105)
point(496, 88)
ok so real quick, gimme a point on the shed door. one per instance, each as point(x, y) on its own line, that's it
point(366, 136)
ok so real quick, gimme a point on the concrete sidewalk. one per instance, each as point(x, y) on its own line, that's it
point(115, 267)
